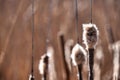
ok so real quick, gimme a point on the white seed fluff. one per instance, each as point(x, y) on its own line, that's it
point(51, 66)
point(42, 64)
point(77, 48)
point(85, 31)
point(99, 58)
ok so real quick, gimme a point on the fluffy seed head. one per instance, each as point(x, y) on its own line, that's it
point(78, 55)
point(90, 35)
point(43, 64)
point(50, 51)
point(46, 63)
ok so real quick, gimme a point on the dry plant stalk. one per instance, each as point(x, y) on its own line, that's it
point(110, 36)
point(79, 56)
point(116, 58)
point(98, 62)
point(90, 38)
point(51, 66)
point(68, 50)
point(90, 35)
point(62, 45)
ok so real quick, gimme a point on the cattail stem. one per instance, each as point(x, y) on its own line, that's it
point(32, 78)
point(51, 65)
point(78, 58)
point(44, 77)
point(98, 63)
point(110, 35)
point(90, 37)
point(91, 63)
point(68, 50)
point(61, 37)
point(46, 68)
point(80, 71)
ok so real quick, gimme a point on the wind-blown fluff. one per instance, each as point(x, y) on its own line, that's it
point(116, 65)
point(90, 35)
point(78, 55)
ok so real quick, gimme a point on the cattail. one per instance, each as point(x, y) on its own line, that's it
point(116, 58)
point(46, 65)
point(43, 66)
point(90, 35)
point(90, 38)
point(62, 47)
point(78, 58)
point(68, 49)
point(31, 77)
point(98, 62)
point(51, 65)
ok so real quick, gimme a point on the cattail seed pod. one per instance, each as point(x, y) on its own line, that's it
point(78, 55)
point(99, 59)
point(90, 35)
point(43, 66)
point(78, 58)
point(90, 38)
point(46, 65)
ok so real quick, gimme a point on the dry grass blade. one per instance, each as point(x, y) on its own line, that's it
point(68, 49)
point(116, 58)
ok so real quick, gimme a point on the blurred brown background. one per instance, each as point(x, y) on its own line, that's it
point(15, 32)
